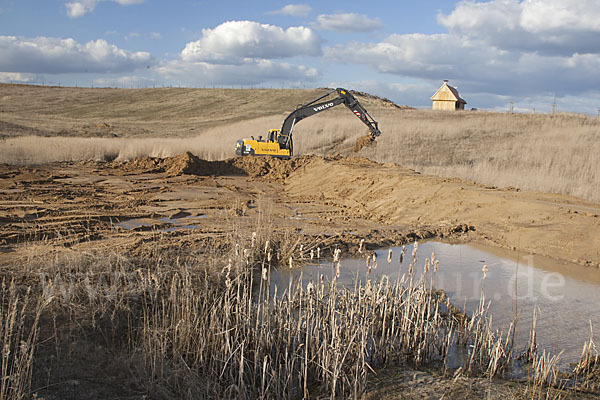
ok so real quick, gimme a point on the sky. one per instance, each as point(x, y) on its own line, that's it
point(531, 53)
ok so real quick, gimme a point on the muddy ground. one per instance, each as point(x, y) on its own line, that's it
point(335, 200)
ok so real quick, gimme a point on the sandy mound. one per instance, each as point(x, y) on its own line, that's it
point(269, 167)
point(143, 165)
point(183, 164)
point(189, 164)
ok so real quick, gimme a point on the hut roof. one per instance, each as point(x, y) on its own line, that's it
point(452, 90)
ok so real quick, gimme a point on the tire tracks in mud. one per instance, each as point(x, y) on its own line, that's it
point(337, 201)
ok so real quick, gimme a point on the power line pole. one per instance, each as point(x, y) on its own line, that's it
point(554, 107)
point(512, 106)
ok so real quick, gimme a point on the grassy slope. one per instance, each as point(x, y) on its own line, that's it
point(135, 112)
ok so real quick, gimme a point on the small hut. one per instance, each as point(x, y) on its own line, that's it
point(447, 98)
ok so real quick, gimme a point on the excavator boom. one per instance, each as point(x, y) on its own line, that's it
point(312, 108)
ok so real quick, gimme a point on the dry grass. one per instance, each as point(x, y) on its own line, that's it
point(547, 153)
point(208, 323)
point(214, 144)
point(160, 112)
point(19, 317)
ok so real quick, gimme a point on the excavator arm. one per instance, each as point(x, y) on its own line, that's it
point(315, 106)
point(279, 141)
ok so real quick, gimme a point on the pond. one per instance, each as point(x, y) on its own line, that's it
point(565, 297)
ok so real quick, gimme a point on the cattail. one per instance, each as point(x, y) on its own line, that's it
point(402, 254)
point(426, 265)
point(361, 246)
point(318, 252)
point(264, 273)
point(435, 265)
point(301, 251)
point(266, 246)
point(227, 268)
point(312, 254)
point(368, 290)
point(484, 269)
point(336, 255)
point(374, 261)
point(389, 256)
point(291, 265)
point(337, 270)
point(309, 288)
point(253, 238)
point(227, 277)
point(269, 256)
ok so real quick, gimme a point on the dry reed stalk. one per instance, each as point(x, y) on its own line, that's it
point(19, 318)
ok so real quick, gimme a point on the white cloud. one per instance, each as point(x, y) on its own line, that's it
point(242, 52)
point(56, 56)
point(293, 10)
point(347, 22)
point(125, 81)
point(18, 77)
point(250, 72)
point(76, 9)
point(481, 67)
point(544, 26)
point(233, 41)
point(411, 93)
point(499, 47)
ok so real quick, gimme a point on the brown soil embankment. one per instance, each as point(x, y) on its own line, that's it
point(561, 227)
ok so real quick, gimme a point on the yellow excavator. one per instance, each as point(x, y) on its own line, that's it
point(278, 142)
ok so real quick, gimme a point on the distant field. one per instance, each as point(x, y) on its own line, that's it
point(539, 152)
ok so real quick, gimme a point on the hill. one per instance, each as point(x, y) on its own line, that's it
point(107, 112)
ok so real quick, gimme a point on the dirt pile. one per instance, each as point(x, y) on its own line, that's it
point(362, 142)
point(189, 164)
point(142, 165)
point(183, 164)
point(270, 168)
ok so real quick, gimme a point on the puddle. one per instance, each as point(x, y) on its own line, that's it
point(566, 296)
point(137, 223)
point(165, 224)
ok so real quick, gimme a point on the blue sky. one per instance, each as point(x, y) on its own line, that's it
point(530, 52)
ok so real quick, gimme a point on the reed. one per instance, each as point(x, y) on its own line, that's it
point(211, 323)
point(19, 317)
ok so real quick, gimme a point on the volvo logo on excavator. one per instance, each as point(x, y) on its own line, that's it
point(323, 107)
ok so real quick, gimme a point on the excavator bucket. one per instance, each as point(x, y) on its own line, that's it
point(363, 141)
